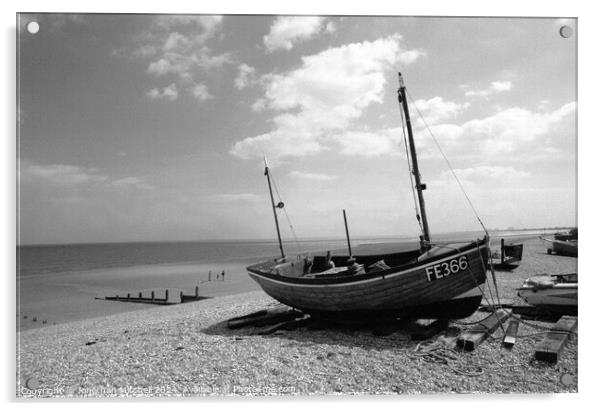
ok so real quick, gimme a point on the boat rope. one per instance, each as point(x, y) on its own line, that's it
point(448, 164)
point(290, 224)
point(439, 352)
point(489, 265)
point(412, 188)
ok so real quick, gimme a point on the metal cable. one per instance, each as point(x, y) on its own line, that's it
point(449, 165)
point(412, 188)
point(290, 224)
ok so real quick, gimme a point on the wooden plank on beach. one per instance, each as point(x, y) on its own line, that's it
point(239, 322)
point(511, 331)
point(286, 325)
point(503, 303)
point(470, 339)
point(156, 301)
point(260, 318)
point(423, 329)
point(550, 348)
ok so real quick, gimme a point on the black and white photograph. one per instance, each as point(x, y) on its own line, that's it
point(291, 205)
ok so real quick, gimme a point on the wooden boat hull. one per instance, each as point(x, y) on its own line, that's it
point(567, 248)
point(426, 288)
point(509, 258)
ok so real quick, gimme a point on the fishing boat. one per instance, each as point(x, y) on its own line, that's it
point(565, 244)
point(509, 256)
point(556, 293)
point(431, 280)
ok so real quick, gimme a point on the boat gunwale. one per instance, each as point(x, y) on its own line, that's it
point(368, 277)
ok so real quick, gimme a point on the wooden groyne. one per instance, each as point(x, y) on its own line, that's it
point(154, 299)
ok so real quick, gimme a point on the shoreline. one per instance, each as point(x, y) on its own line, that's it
point(66, 297)
point(70, 296)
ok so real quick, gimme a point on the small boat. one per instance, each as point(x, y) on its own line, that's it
point(563, 243)
point(509, 256)
point(556, 293)
point(432, 280)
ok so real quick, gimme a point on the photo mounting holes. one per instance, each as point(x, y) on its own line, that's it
point(566, 31)
point(33, 27)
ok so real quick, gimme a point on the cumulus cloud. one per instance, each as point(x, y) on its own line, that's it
point(200, 92)
point(175, 47)
point(245, 76)
point(510, 131)
point(513, 130)
point(494, 87)
point(369, 144)
point(286, 31)
point(484, 175)
point(436, 109)
point(323, 96)
point(517, 124)
point(312, 176)
point(168, 93)
point(481, 183)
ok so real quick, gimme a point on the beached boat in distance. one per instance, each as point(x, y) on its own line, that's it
point(434, 280)
point(563, 243)
point(509, 256)
point(555, 293)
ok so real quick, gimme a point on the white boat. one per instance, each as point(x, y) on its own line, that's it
point(551, 292)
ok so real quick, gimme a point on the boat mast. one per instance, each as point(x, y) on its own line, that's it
point(274, 206)
point(420, 187)
point(347, 234)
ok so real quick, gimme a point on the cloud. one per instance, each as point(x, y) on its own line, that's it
point(200, 92)
point(61, 174)
point(207, 23)
point(369, 144)
point(488, 176)
point(312, 176)
point(513, 132)
point(286, 31)
point(516, 131)
point(494, 87)
point(175, 47)
point(131, 182)
point(436, 109)
point(245, 76)
point(169, 93)
point(323, 96)
point(516, 124)
point(71, 176)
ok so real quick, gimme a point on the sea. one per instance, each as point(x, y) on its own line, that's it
point(68, 282)
point(34, 260)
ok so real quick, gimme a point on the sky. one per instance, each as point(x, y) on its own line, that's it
point(154, 127)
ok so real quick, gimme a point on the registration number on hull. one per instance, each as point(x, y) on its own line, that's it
point(442, 270)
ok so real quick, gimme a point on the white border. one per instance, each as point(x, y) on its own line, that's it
point(589, 153)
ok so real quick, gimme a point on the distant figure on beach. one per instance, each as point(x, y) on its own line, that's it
point(223, 274)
